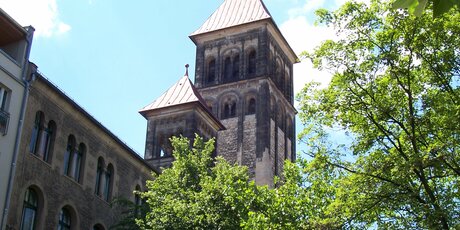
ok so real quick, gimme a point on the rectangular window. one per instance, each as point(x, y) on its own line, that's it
point(4, 115)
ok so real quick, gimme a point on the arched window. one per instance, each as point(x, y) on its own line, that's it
point(251, 106)
point(236, 67)
point(252, 62)
point(29, 210)
point(65, 220)
point(288, 82)
point(38, 126)
point(77, 162)
point(211, 74)
point(137, 201)
point(108, 182)
point(229, 110)
point(47, 141)
point(227, 69)
point(68, 156)
point(99, 174)
point(279, 75)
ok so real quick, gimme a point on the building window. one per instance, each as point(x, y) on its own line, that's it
point(231, 68)
point(42, 139)
point(69, 154)
point(46, 136)
point(229, 110)
point(227, 69)
point(73, 159)
point(4, 115)
point(48, 140)
point(137, 201)
point(251, 106)
point(64, 220)
point(279, 76)
point(99, 173)
point(236, 67)
point(29, 210)
point(39, 119)
point(108, 182)
point(252, 62)
point(211, 73)
point(77, 162)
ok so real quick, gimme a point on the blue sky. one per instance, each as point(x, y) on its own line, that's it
point(115, 57)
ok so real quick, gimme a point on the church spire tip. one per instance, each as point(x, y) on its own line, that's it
point(186, 70)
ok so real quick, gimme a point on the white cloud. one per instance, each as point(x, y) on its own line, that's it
point(304, 36)
point(43, 15)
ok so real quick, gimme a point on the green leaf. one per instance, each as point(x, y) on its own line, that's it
point(404, 4)
point(419, 8)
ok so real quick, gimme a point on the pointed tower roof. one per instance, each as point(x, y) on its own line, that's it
point(180, 93)
point(232, 13)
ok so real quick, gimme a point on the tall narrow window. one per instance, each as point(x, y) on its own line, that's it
point(137, 201)
point(68, 156)
point(99, 173)
point(108, 182)
point(229, 110)
point(38, 125)
point(233, 109)
point(226, 113)
point(227, 69)
point(29, 210)
point(4, 115)
point(236, 67)
point(251, 106)
point(252, 62)
point(211, 71)
point(279, 75)
point(65, 220)
point(47, 140)
point(77, 162)
point(3, 98)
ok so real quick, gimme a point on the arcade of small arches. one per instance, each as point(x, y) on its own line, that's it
point(233, 66)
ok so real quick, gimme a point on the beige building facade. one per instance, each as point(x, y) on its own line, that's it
point(15, 44)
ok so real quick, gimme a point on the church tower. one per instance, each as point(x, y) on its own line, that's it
point(179, 111)
point(244, 72)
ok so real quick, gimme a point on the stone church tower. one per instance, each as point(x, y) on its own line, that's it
point(179, 111)
point(244, 72)
point(243, 94)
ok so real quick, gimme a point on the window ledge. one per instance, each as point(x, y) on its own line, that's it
point(73, 180)
point(40, 159)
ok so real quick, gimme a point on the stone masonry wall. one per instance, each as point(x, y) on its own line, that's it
point(56, 190)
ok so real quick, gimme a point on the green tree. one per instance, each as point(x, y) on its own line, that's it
point(199, 192)
point(395, 92)
point(418, 6)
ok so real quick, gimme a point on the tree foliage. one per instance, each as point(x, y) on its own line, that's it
point(417, 7)
point(395, 91)
point(200, 192)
